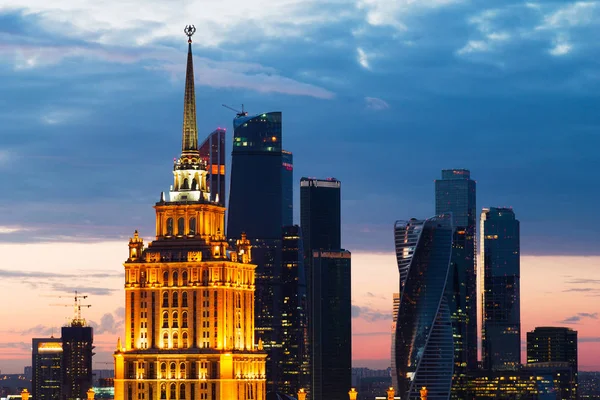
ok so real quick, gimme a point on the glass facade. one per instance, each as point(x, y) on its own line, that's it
point(554, 344)
point(212, 153)
point(46, 369)
point(501, 307)
point(423, 342)
point(294, 329)
point(396, 305)
point(455, 193)
point(331, 325)
point(256, 191)
point(320, 213)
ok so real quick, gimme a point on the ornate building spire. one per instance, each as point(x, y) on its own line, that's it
point(189, 143)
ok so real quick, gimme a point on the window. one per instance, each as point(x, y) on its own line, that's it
point(184, 319)
point(166, 278)
point(184, 302)
point(192, 226)
point(166, 340)
point(169, 226)
point(175, 300)
point(163, 391)
point(172, 367)
point(173, 390)
point(175, 320)
point(165, 323)
point(184, 278)
point(163, 371)
point(184, 336)
point(175, 341)
point(175, 279)
point(182, 370)
point(180, 226)
point(182, 391)
point(165, 299)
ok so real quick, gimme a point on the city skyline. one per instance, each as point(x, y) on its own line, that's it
point(524, 135)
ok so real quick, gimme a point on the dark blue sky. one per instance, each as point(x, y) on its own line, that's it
point(381, 95)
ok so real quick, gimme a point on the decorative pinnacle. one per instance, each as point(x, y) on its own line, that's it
point(189, 30)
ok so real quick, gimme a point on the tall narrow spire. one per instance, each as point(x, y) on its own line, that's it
point(189, 143)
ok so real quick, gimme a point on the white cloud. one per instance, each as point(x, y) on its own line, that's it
point(133, 22)
point(362, 58)
point(5, 230)
point(561, 48)
point(391, 12)
point(374, 103)
point(574, 14)
point(474, 46)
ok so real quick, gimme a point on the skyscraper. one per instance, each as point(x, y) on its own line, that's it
point(331, 325)
point(258, 206)
point(501, 307)
point(554, 345)
point(320, 220)
point(256, 192)
point(212, 152)
point(424, 346)
point(294, 330)
point(396, 305)
point(47, 371)
point(189, 301)
point(77, 345)
point(455, 193)
point(320, 213)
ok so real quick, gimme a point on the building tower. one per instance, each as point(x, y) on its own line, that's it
point(77, 345)
point(424, 352)
point(294, 330)
point(320, 219)
point(554, 345)
point(258, 206)
point(456, 193)
point(331, 324)
point(189, 302)
point(212, 153)
point(501, 307)
point(396, 305)
point(46, 363)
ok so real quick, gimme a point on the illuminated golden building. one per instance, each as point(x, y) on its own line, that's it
point(189, 301)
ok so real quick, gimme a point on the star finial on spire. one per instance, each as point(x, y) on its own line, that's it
point(189, 30)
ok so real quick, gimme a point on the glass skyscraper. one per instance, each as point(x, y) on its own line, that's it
point(260, 204)
point(501, 307)
point(212, 152)
point(456, 193)
point(423, 343)
point(47, 370)
point(550, 344)
point(294, 330)
point(320, 214)
point(396, 305)
point(77, 347)
point(256, 192)
point(331, 325)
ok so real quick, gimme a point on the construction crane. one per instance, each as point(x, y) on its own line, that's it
point(77, 319)
point(239, 113)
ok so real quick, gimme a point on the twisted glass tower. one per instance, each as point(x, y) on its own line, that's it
point(423, 343)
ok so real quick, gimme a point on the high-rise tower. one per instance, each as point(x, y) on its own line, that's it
point(552, 345)
point(501, 306)
point(47, 369)
point(189, 301)
point(455, 194)
point(212, 153)
point(396, 306)
point(424, 347)
point(77, 345)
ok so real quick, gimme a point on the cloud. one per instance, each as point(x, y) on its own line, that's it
point(392, 13)
point(12, 229)
point(578, 317)
point(591, 339)
point(110, 322)
point(372, 333)
point(11, 274)
point(40, 330)
point(88, 290)
point(561, 47)
point(581, 290)
point(582, 281)
point(575, 14)
point(369, 314)
point(362, 58)
point(373, 103)
point(26, 347)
